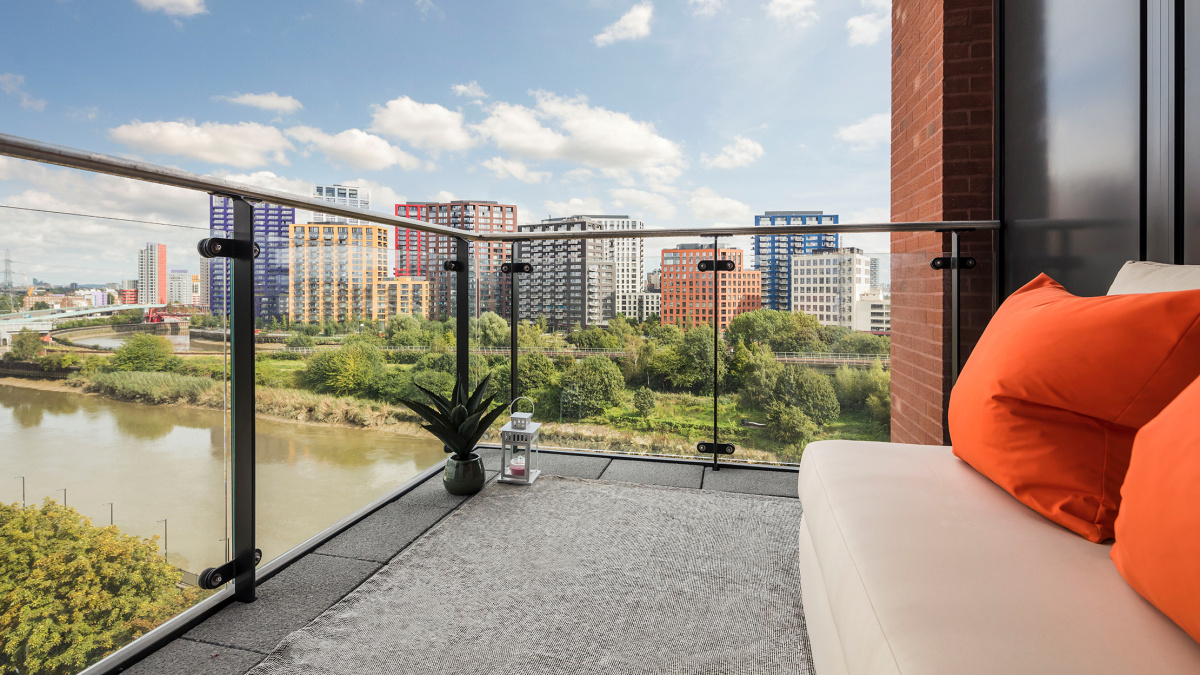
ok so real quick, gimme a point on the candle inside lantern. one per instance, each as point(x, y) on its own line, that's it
point(517, 466)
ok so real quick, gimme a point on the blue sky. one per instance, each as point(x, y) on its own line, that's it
point(680, 112)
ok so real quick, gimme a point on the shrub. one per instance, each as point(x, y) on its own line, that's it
point(645, 401)
point(855, 385)
point(592, 386)
point(26, 345)
point(144, 352)
point(788, 424)
point(352, 369)
point(300, 341)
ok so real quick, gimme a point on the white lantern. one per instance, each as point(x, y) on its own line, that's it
point(519, 443)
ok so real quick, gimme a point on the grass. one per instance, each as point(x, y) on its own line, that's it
point(153, 388)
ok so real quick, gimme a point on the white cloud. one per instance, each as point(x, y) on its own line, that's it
point(742, 152)
point(705, 7)
point(590, 135)
point(471, 89)
point(443, 196)
point(243, 145)
point(654, 203)
point(174, 7)
point(270, 181)
point(271, 101)
point(868, 134)
point(503, 168)
point(580, 175)
point(89, 113)
point(706, 204)
point(866, 29)
point(423, 125)
point(14, 85)
point(802, 13)
point(383, 198)
point(633, 25)
point(575, 206)
point(427, 6)
point(355, 147)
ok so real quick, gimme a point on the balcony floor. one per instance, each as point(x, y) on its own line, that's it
point(599, 576)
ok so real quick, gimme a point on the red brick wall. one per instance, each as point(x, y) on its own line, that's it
point(941, 170)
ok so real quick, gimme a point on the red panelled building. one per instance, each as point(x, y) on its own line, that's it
point(687, 294)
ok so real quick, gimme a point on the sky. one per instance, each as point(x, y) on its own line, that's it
point(676, 112)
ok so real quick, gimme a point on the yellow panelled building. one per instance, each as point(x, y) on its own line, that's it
point(339, 272)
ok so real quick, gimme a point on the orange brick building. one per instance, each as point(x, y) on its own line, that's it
point(687, 294)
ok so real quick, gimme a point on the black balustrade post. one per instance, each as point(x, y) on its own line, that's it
point(955, 317)
point(716, 354)
point(512, 335)
point(462, 304)
point(242, 411)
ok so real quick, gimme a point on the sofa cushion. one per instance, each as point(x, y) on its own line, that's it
point(1049, 402)
point(1138, 276)
point(931, 569)
point(1158, 547)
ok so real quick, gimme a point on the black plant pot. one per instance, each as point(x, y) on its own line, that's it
point(464, 476)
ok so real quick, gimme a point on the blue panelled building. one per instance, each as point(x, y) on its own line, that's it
point(773, 252)
point(271, 233)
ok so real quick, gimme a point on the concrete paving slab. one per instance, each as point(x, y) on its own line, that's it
point(383, 534)
point(286, 602)
point(751, 481)
point(574, 466)
point(188, 657)
point(654, 473)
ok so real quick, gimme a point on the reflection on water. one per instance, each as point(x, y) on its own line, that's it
point(181, 343)
point(158, 462)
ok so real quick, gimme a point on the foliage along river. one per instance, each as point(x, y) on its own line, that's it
point(156, 462)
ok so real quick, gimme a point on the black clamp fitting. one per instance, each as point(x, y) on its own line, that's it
point(215, 577)
point(950, 263)
point(721, 265)
point(219, 247)
point(516, 268)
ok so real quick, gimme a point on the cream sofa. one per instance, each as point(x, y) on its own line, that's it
point(913, 563)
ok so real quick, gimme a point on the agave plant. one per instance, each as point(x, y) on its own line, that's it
point(460, 422)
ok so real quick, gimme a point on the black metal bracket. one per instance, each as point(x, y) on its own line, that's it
point(215, 577)
point(722, 265)
point(516, 268)
point(451, 266)
point(715, 448)
point(951, 263)
point(218, 247)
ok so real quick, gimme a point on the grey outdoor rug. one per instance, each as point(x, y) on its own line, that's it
point(576, 576)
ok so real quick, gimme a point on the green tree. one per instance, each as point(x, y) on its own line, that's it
point(26, 345)
point(595, 384)
point(779, 331)
point(403, 330)
point(40, 305)
point(854, 386)
point(144, 352)
point(492, 329)
point(351, 369)
point(698, 355)
point(71, 592)
point(595, 338)
point(861, 343)
point(739, 365)
point(788, 424)
point(534, 371)
point(810, 391)
point(645, 401)
point(300, 341)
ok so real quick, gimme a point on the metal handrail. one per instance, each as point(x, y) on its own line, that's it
point(46, 153)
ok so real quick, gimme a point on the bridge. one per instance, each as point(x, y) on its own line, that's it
point(819, 360)
point(56, 315)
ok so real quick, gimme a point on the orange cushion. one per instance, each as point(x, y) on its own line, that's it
point(1048, 403)
point(1158, 547)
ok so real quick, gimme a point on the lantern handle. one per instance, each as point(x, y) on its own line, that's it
point(512, 407)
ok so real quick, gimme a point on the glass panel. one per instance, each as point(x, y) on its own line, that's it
point(813, 363)
point(337, 341)
point(112, 428)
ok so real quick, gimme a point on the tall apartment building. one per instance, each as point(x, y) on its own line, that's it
point(152, 275)
point(573, 280)
point(626, 253)
point(873, 313)
point(654, 281)
point(179, 287)
point(687, 294)
point(827, 283)
point(639, 306)
point(198, 292)
point(419, 254)
point(339, 272)
point(773, 252)
point(345, 195)
point(271, 230)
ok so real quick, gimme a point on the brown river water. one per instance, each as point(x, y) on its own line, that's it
point(156, 462)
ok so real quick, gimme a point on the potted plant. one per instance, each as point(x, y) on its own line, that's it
point(459, 423)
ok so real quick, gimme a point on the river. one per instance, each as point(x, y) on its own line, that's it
point(156, 462)
point(181, 343)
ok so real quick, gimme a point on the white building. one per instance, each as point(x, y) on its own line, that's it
point(639, 305)
point(179, 287)
point(152, 275)
point(345, 195)
point(827, 282)
point(626, 254)
point(873, 313)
